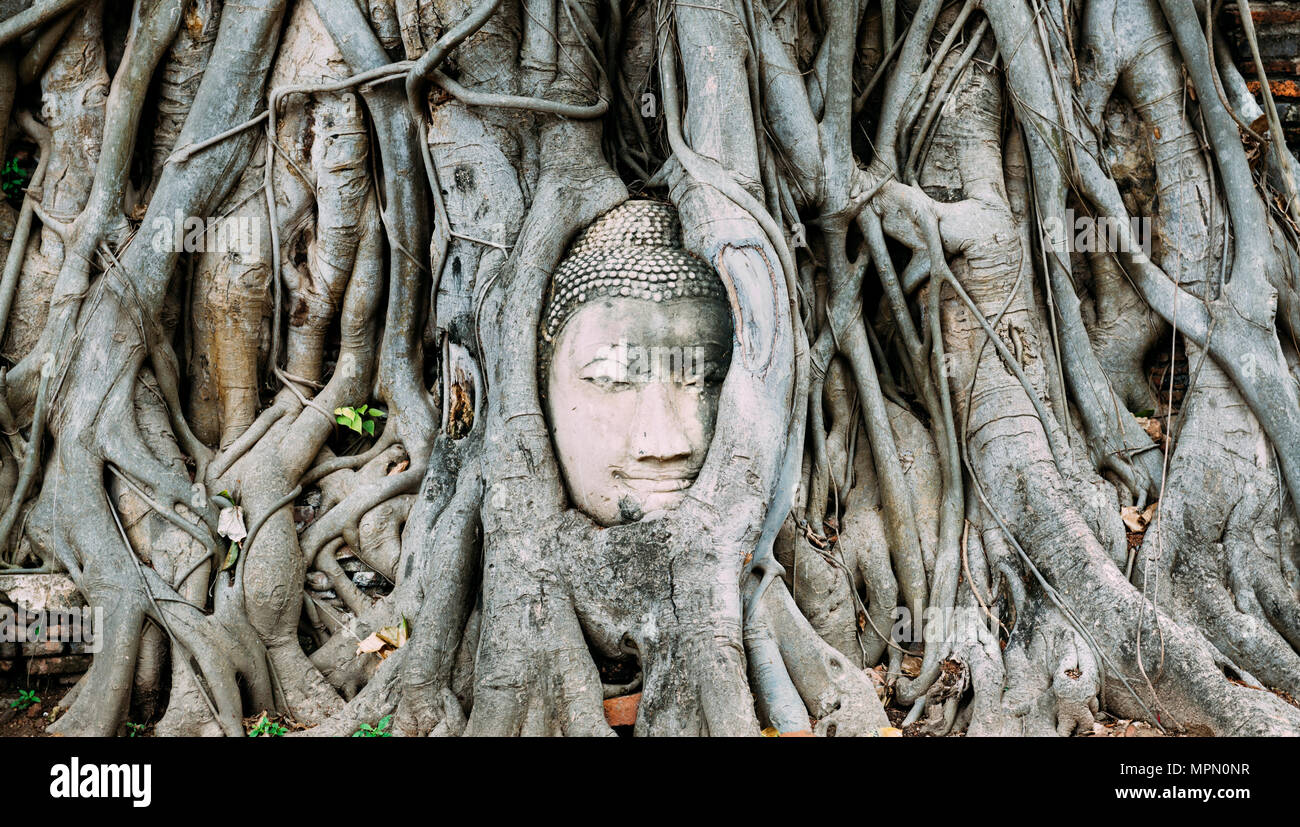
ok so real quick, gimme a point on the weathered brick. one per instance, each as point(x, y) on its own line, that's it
point(41, 592)
point(43, 648)
point(64, 665)
point(1277, 30)
point(622, 711)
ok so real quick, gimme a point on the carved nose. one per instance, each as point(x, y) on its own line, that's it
point(660, 430)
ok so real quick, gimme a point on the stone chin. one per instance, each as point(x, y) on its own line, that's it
point(634, 505)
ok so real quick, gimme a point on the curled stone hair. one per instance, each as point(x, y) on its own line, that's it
point(633, 251)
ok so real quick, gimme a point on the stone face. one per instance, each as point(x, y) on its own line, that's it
point(41, 592)
point(632, 397)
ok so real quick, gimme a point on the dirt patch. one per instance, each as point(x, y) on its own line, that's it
point(29, 722)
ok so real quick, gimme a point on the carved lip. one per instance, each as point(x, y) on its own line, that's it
point(658, 483)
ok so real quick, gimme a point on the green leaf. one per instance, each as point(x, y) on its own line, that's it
point(377, 413)
point(348, 417)
point(1145, 413)
point(372, 731)
point(26, 697)
point(268, 728)
point(231, 556)
point(363, 409)
point(369, 426)
point(13, 177)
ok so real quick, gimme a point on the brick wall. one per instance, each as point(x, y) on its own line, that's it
point(49, 657)
point(1277, 27)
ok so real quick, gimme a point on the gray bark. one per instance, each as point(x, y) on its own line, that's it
point(931, 408)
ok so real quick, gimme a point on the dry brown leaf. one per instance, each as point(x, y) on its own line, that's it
point(1138, 520)
point(395, 636)
point(1132, 518)
point(1152, 426)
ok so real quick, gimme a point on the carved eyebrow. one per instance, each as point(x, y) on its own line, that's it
point(600, 357)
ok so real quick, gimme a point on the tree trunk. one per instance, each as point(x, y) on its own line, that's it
point(1009, 440)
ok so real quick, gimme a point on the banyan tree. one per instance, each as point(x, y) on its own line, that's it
point(791, 363)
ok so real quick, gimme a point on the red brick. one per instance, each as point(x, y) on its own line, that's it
point(622, 711)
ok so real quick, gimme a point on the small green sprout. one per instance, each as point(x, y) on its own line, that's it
point(360, 419)
point(378, 731)
point(13, 178)
point(26, 698)
point(268, 728)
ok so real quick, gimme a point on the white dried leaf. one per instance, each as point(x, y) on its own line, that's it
point(230, 524)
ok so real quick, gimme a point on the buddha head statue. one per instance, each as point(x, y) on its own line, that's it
point(635, 342)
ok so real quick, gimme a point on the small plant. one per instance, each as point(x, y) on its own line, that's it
point(378, 731)
point(26, 698)
point(13, 178)
point(134, 730)
point(268, 728)
point(360, 419)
